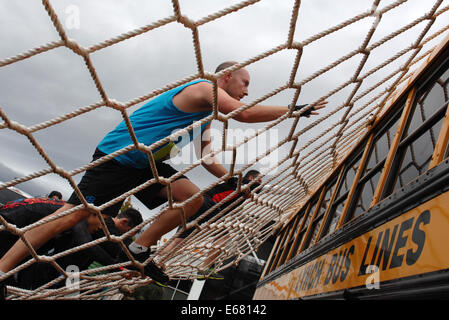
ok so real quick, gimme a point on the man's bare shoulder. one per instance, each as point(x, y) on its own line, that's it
point(203, 85)
point(195, 97)
point(206, 89)
point(199, 88)
point(202, 91)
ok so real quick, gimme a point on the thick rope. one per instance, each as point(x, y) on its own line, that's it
point(288, 183)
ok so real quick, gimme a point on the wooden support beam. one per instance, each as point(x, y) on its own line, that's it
point(443, 140)
point(356, 180)
point(333, 196)
point(394, 146)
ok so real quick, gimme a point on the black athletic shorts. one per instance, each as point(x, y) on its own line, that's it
point(111, 179)
point(207, 204)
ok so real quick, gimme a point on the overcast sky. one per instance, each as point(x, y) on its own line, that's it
point(57, 82)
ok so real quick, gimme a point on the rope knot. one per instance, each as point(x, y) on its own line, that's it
point(364, 51)
point(188, 23)
point(17, 127)
point(60, 171)
point(75, 47)
point(115, 105)
point(296, 45)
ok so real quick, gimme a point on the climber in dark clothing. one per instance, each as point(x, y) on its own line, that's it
point(84, 232)
point(22, 213)
point(216, 195)
point(222, 190)
point(25, 212)
point(219, 193)
point(40, 273)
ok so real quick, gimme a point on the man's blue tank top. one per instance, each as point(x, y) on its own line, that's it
point(152, 122)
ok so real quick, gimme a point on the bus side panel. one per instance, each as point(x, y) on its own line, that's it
point(413, 243)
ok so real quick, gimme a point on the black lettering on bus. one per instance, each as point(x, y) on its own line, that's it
point(396, 260)
point(338, 266)
point(304, 278)
point(363, 266)
point(343, 274)
point(331, 269)
point(310, 278)
point(319, 271)
point(418, 237)
point(303, 274)
point(387, 245)
point(376, 248)
point(307, 277)
point(298, 283)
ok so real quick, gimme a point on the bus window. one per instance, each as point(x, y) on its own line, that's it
point(293, 231)
point(429, 101)
point(370, 177)
point(321, 213)
point(416, 148)
point(304, 226)
point(338, 205)
point(297, 236)
point(349, 176)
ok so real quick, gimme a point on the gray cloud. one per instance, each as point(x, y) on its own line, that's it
point(55, 83)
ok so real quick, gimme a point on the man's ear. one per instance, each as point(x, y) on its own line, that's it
point(228, 76)
point(124, 222)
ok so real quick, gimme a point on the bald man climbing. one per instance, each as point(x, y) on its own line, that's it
point(157, 119)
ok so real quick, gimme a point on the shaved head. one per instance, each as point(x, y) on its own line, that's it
point(225, 65)
point(235, 83)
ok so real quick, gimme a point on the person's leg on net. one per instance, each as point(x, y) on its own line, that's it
point(98, 185)
point(207, 204)
point(39, 235)
point(182, 189)
point(213, 254)
point(7, 240)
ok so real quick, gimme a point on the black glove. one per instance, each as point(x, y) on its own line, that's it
point(307, 113)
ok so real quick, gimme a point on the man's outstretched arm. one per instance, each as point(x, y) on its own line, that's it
point(254, 114)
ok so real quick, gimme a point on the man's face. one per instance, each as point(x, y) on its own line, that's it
point(122, 225)
point(238, 83)
point(258, 178)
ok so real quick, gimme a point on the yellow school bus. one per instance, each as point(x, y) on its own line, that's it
point(378, 227)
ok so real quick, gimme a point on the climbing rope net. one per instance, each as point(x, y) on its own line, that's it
point(241, 228)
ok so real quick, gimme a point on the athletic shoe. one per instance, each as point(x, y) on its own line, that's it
point(209, 273)
point(5, 282)
point(155, 273)
point(160, 284)
point(3, 291)
point(209, 277)
point(150, 269)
